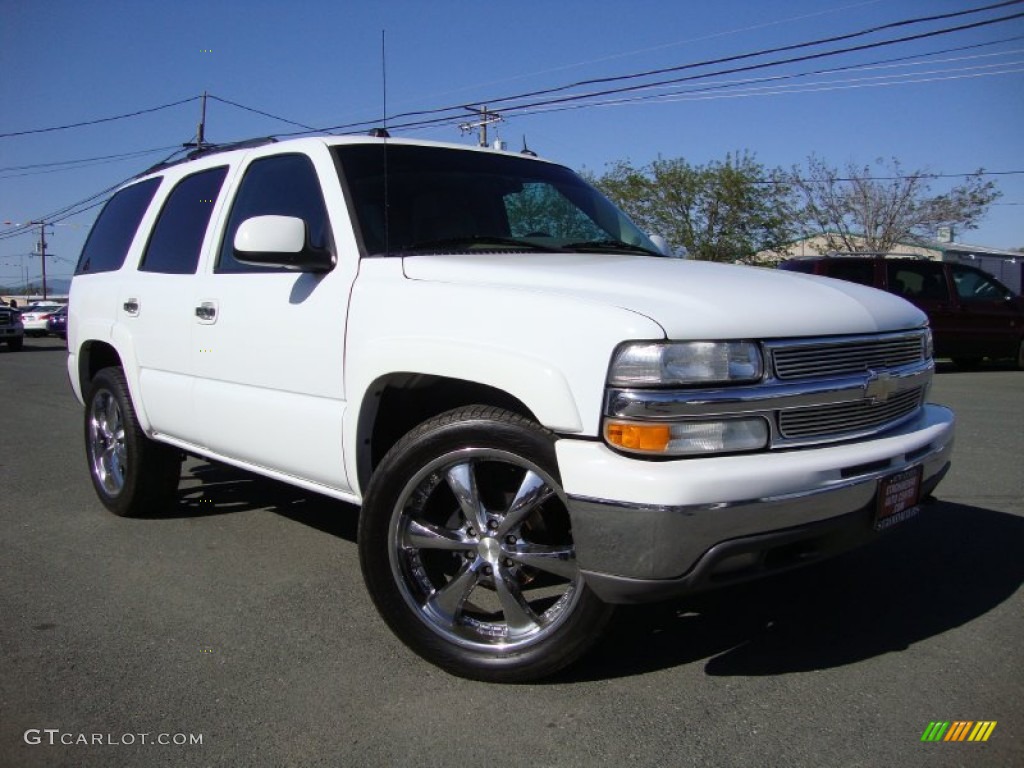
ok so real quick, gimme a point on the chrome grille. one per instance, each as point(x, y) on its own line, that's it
point(836, 357)
point(841, 419)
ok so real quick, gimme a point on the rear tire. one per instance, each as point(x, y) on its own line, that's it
point(466, 548)
point(132, 474)
point(16, 344)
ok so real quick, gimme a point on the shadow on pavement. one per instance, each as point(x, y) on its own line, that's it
point(208, 488)
point(949, 566)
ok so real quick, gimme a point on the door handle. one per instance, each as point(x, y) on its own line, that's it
point(206, 311)
point(131, 307)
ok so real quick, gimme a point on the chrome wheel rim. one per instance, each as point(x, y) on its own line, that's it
point(481, 550)
point(107, 453)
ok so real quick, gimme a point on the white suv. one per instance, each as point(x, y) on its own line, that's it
point(539, 412)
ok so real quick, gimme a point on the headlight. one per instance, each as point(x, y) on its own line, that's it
point(652, 364)
point(688, 438)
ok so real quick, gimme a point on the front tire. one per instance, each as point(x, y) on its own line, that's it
point(132, 474)
point(466, 548)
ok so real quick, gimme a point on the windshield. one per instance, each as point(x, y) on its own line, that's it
point(439, 199)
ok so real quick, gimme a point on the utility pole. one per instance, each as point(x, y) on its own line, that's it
point(486, 118)
point(42, 250)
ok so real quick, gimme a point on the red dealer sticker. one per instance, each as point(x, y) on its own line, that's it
point(898, 496)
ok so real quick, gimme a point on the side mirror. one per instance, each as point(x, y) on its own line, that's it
point(279, 241)
point(663, 245)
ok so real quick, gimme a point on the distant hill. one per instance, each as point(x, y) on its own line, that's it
point(57, 286)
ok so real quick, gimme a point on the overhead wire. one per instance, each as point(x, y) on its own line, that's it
point(753, 67)
point(891, 63)
point(443, 115)
point(499, 100)
point(41, 169)
point(260, 112)
point(736, 89)
point(99, 120)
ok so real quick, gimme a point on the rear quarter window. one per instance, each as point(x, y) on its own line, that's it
point(107, 246)
point(862, 272)
point(806, 267)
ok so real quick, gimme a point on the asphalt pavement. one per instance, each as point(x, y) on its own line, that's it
point(236, 630)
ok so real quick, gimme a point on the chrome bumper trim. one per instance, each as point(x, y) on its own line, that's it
point(647, 542)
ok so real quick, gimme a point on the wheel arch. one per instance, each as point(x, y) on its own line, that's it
point(395, 403)
point(93, 356)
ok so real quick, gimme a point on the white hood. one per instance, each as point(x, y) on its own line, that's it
point(689, 299)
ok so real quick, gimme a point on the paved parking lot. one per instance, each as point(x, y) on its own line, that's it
point(241, 620)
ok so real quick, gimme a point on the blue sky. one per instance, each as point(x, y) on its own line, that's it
point(319, 64)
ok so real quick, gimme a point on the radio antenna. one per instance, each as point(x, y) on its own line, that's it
point(384, 76)
point(384, 98)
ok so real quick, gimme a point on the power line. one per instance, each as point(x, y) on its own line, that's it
point(687, 41)
point(42, 169)
point(586, 98)
point(892, 63)
point(712, 62)
point(85, 159)
point(735, 90)
point(778, 49)
point(443, 116)
point(98, 120)
point(752, 67)
point(261, 112)
point(74, 209)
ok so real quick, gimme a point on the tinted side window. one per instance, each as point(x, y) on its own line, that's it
point(115, 228)
point(917, 280)
point(862, 272)
point(798, 265)
point(282, 185)
point(178, 234)
point(971, 284)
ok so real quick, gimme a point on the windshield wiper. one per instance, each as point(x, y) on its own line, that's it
point(470, 240)
point(608, 245)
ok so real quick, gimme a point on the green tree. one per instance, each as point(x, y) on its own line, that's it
point(721, 211)
point(541, 209)
point(875, 208)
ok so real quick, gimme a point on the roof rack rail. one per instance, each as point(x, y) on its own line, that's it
point(208, 149)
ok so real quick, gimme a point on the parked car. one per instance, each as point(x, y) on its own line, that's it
point(12, 332)
point(57, 323)
point(972, 315)
point(34, 317)
point(540, 413)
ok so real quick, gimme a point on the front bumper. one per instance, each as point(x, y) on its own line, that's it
point(648, 530)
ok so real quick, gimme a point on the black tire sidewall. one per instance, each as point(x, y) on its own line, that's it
point(152, 469)
point(477, 427)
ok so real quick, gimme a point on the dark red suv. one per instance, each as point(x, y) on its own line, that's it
point(972, 314)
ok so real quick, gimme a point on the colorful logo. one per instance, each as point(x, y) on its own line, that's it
point(959, 730)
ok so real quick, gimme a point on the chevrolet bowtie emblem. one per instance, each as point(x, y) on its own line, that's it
point(879, 387)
